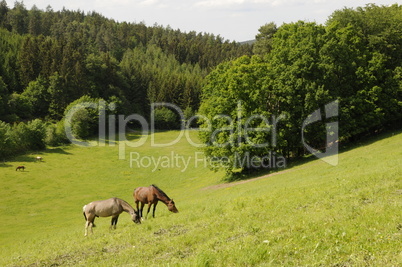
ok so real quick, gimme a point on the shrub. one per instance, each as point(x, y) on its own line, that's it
point(35, 135)
point(84, 120)
point(165, 119)
point(56, 134)
point(5, 141)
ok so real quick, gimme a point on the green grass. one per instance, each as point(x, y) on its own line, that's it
point(314, 214)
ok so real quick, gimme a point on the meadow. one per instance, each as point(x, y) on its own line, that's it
point(311, 214)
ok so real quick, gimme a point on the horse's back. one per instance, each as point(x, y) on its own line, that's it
point(104, 208)
point(138, 192)
point(143, 194)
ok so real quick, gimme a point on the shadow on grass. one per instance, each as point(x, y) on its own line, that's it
point(255, 173)
point(5, 165)
point(31, 157)
point(17, 161)
point(55, 150)
point(129, 135)
point(22, 159)
point(368, 140)
point(133, 135)
point(292, 163)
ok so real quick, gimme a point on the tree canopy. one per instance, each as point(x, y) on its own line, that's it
point(355, 60)
point(51, 58)
point(252, 100)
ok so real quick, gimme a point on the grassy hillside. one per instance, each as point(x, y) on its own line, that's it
point(311, 214)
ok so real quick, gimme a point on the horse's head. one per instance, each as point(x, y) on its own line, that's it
point(135, 216)
point(171, 206)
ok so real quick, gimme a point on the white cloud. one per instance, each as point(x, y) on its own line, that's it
point(274, 3)
point(219, 3)
point(232, 3)
point(148, 2)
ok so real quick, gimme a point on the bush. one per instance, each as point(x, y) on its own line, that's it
point(5, 141)
point(83, 125)
point(33, 135)
point(166, 119)
point(36, 134)
point(56, 134)
point(26, 136)
point(84, 120)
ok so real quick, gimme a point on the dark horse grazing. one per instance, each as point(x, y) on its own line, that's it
point(105, 208)
point(151, 195)
point(20, 168)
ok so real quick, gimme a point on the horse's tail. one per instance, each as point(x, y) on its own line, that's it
point(85, 216)
point(83, 212)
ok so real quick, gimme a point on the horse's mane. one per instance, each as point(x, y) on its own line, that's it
point(160, 191)
point(122, 200)
point(126, 203)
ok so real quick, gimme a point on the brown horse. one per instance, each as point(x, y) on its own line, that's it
point(105, 208)
point(151, 195)
point(20, 168)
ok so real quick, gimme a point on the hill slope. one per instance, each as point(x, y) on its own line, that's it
point(313, 214)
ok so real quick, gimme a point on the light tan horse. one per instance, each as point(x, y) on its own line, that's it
point(105, 208)
point(151, 195)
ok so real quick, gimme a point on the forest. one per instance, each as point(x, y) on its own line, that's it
point(354, 60)
point(52, 60)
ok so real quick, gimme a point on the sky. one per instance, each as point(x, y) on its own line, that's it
point(235, 20)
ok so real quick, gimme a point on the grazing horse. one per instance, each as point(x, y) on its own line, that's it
point(20, 168)
point(151, 195)
point(105, 208)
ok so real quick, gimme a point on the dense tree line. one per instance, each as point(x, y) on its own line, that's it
point(49, 59)
point(355, 59)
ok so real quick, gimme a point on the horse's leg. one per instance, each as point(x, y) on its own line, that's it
point(89, 223)
point(149, 208)
point(142, 209)
point(111, 223)
point(86, 228)
point(153, 212)
point(114, 222)
point(86, 225)
point(136, 204)
point(138, 208)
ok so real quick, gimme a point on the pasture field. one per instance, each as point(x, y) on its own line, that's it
point(312, 214)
